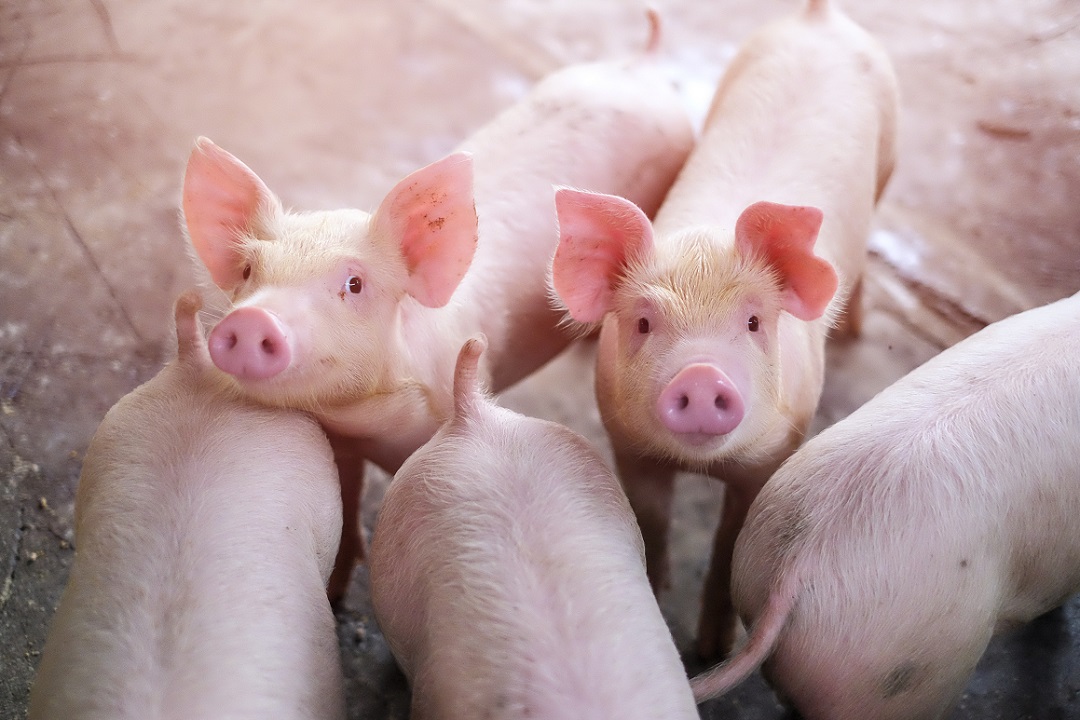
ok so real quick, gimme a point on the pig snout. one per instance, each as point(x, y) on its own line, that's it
point(250, 343)
point(700, 400)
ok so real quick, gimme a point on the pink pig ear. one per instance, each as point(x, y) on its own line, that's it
point(597, 234)
point(785, 235)
point(431, 215)
point(222, 199)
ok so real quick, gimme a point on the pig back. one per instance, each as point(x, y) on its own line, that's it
point(999, 418)
point(805, 114)
point(205, 531)
point(518, 582)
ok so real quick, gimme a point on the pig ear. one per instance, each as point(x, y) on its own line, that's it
point(222, 199)
point(431, 215)
point(785, 236)
point(597, 234)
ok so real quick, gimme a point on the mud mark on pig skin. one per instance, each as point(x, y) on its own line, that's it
point(792, 526)
point(904, 678)
point(436, 224)
point(504, 706)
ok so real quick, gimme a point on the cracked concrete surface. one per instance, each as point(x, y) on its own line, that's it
point(331, 101)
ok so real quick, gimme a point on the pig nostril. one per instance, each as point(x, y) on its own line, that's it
point(700, 403)
point(230, 341)
point(268, 346)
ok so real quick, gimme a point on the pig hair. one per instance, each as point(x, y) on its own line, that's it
point(694, 261)
point(575, 328)
point(838, 306)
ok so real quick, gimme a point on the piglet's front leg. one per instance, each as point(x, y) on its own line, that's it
point(350, 465)
point(716, 624)
point(650, 487)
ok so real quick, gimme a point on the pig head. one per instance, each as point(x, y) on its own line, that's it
point(692, 330)
point(306, 285)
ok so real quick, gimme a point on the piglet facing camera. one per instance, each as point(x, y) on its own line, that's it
point(206, 528)
point(508, 575)
point(877, 563)
point(713, 319)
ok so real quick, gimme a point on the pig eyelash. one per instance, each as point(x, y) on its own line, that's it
point(643, 326)
point(753, 323)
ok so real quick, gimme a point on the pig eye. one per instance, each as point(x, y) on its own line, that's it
point(753, 323)
point(354, 284)
point(247, 271)
point(643, 326)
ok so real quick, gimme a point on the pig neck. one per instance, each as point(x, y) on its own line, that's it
point(414, 396)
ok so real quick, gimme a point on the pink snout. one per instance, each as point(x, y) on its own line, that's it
point(251, 344)
point(700, 400)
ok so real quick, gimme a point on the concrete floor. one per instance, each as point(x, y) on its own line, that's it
point(331, 101)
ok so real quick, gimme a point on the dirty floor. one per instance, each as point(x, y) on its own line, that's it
point(331, 101)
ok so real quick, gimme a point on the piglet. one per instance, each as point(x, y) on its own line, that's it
point(878, 561)
point(508, 575)
point(358, 317)
point(713, 320)
point(205, 528)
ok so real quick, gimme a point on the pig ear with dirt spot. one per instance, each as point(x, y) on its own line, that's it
point(785, 235)
point(223, 200)
point(598, 235)
point(431, 216)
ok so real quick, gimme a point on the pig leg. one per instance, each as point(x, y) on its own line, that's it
point(716, 624)
point(650, 487)
point(849, 324)
point(350, 465)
